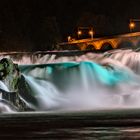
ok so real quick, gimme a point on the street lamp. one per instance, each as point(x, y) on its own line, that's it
point(91, 33)
point(69, 38)
point(79, 33)
point(132, 25)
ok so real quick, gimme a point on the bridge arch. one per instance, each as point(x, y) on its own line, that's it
point(125, 44)
point(90, 47)
point(73, 47)
point(106, 46)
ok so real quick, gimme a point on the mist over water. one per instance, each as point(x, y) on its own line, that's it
point(86, 82)
point(89, 85)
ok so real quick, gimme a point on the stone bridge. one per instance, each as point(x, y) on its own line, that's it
point(131, 40)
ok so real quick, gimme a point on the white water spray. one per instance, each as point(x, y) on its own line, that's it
point(87, 86)
point(114, 83)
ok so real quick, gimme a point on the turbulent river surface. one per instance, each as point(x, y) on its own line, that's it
point(87, 125)
point(80, 95)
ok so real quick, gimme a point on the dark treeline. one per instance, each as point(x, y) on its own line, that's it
point(31, 25)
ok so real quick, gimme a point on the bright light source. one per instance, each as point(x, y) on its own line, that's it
point(90, 32)
point(132, 25)
point(79, 32)
point(69, 38)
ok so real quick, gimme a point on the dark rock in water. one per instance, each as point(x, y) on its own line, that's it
point(18, 91)
point(9, 73)
point(24, 94)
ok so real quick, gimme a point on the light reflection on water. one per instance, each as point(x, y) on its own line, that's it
point(85, 133)
point(92, 133)
point(96, 125)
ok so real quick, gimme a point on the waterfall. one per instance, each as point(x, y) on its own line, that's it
point(81, 82)
point(83, 85)
point(45, 93)
point(129, 58)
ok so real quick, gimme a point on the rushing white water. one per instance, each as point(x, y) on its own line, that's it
point(84, 85)
point(128, 58)
point(85, 82)
point(45, 92)
point(5, 108)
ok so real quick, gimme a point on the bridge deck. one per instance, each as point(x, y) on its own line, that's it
point(101, 38)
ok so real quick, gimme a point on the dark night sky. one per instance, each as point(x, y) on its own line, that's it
point(25, 17)
point(70, 10)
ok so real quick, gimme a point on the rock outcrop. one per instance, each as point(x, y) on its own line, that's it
point(11, 77)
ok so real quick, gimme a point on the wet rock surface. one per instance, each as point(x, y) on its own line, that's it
point(11, 77)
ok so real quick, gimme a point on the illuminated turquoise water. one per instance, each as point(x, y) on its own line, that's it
point(79, 85)
point(83, 71)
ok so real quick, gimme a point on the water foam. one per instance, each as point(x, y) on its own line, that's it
point(89, 81)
